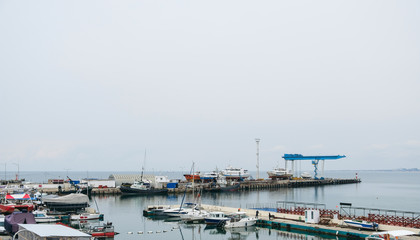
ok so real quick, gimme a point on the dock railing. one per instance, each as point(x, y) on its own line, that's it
point(381, 216)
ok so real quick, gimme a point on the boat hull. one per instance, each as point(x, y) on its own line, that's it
point(215, 221)
point(362, 224)
point(133, 191)
point(190, 177)
point(245, 223)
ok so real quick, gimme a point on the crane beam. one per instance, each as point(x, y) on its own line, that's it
point(315, 160)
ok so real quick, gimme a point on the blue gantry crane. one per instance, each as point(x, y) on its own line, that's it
point(315, 160)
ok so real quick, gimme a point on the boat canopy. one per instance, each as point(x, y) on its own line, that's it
point(23, 196)
point(395, 233)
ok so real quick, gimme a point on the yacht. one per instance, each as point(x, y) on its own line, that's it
point(280, 173)
point(235, 173)
point(240, 219)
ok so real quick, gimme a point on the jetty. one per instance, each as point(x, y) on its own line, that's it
point(333, 226)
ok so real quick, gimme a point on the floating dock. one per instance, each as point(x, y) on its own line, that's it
point(289, 222)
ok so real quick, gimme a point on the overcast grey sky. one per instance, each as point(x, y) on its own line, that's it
point(88, 85)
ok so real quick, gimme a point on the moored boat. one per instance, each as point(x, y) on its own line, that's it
point(208, 177)
point(235, 173)
point(141, 188)
point(306, 175)
point(279, 173)
point(155, 210)
point(41, 216)
point(216, 219)
point(103, 231)
point(89, 214)
point(240, 219)
point(178, 212)
point(362, 224)
point(12, 202)
point(190, 177)
point(390, 235)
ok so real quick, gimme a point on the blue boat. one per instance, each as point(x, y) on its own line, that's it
point(216, 219)
point(362, 224)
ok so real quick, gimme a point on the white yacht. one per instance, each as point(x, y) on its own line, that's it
point(240, 219)
point(235, 173)
point(280, 173)
point(178, 212)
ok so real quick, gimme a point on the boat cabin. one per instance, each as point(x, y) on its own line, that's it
point(47, 232)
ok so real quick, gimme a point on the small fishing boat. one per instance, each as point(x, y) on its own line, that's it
point(41, 216)
point(155, 210)
point(240, 219)
point(89, 214)
point(362, 224)
point(195, 216)
point(141, 188)
point(216, 219)
point(103, 231)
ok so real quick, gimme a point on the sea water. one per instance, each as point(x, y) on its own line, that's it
point(378, 189)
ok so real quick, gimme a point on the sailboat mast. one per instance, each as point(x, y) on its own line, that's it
point(142, 168)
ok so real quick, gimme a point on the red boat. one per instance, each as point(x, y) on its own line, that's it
point(17, 201)
point(106, 230)
point(190, 177)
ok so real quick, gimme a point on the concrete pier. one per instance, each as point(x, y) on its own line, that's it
point(245, 186)
point(288, 222)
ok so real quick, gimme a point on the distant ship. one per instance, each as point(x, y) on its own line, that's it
point(235, 173)
point(279, 173)
point(190, 177)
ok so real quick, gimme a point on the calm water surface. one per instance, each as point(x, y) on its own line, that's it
point(379, 189)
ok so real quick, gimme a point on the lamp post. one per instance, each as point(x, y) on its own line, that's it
point(257, 140)
point(17, 176)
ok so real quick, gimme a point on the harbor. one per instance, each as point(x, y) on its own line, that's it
point(286, 215)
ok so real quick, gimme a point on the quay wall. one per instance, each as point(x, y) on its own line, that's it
point(335, 227)
point(245, 186)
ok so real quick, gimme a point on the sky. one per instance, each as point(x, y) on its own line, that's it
point(92, 85)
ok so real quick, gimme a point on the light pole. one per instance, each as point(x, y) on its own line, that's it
point(257, 140)
point(17, 176)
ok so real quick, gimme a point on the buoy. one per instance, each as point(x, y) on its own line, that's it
point(130, 233)
point(140, 232)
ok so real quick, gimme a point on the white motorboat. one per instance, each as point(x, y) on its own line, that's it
point(235, 173)
point(41, 216)
point(90, 214)
point(362, 224)
point(240, 219)
point(210, 176)
point(306, 175)
point(216, 219)
point(195, 216)
point(178, 212)
point(279, 173)
point(390, 235)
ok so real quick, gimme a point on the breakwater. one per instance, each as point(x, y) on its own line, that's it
point(245, 185)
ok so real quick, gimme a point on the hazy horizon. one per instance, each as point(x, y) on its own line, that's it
point(89, 85)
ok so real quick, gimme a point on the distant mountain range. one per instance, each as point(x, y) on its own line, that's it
point(408, 169)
